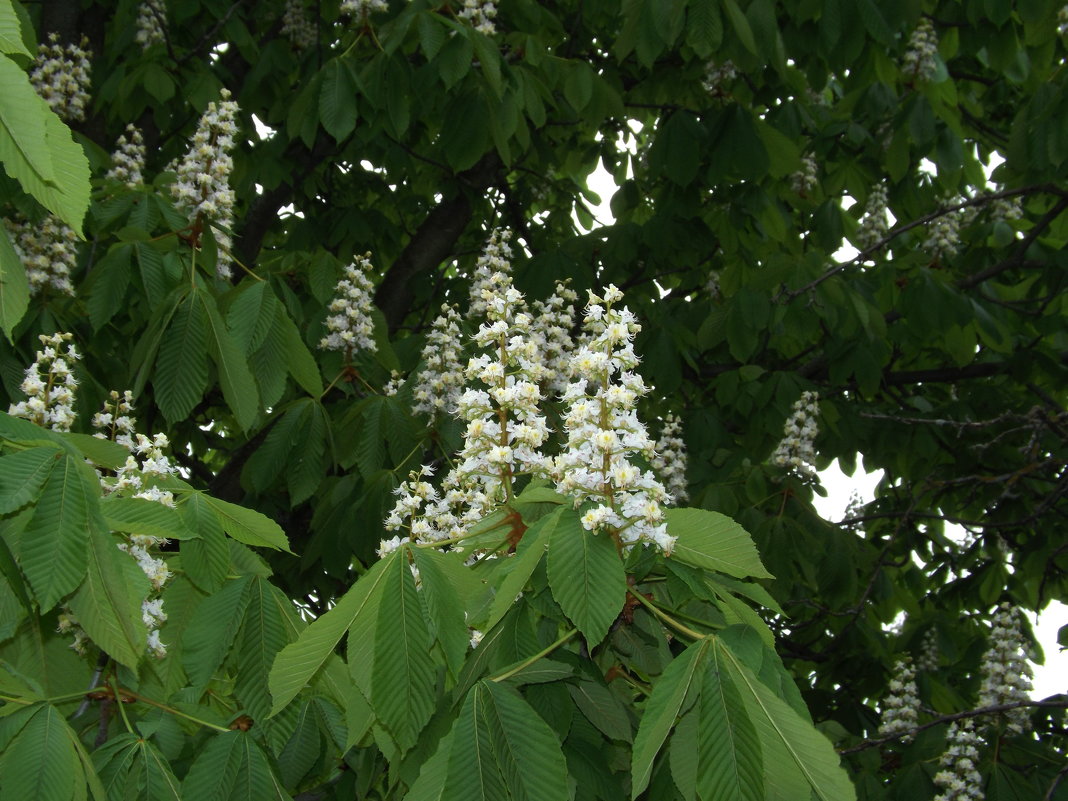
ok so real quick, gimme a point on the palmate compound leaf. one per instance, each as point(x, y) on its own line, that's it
point(586, 576)
point(403, 676)
point(233, 768)
point(498, 748)
point(182, 365)
point(42, 760)
point(235, 378)
point(299, 661)
point(131, 767)
point(528, 554)
point(714, 542)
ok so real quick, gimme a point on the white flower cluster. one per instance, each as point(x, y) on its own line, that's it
point(116, 422)
point(61, 76)
point(68, 624)
point(480, 14)
point(943, 236)
point(920, 60)
point(128, 160)
point(363, 7)
point(151, 22)
point(718, 77)
point(494, 261)
point(959, 777)
point(203, 187)
point(439, 382)
point(902, 706)
point(48, 251)
point(49, 385)
point(712, 286)
point(1007, 208)
point(799, 435)
point(505, 430)
point(551, 333)
point(874, 224)
point(297, 26)
point(930, 655)
point(604, 432)
point(669, 461)
point(805, 180)
point(350, 323)
point(1006, 670)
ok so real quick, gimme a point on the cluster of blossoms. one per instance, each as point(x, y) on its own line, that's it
point(350, 323)
point(901, 707)
point(718, 77)
point(439, 382)
point(797, 449)
point(943, 237)
point(504, 434)
point(360, 8)
point(604, 432)
point(929, 656)
point(921, 57)
point(151, 21)
point(128, 160)
point(669, 461)
point(61, 76)
point(805, 180)
point(480, 14)
point(551, 333)
point(1006, 671)
point(48, 251)
point(1007, 209)
point(145, 465)
point(874, 224)
point(203, 186)
point(959, 777)
point(49, 385)
point(297, 26)
point(492, 266)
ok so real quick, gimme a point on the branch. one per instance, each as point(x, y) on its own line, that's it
point(1017, 257)
point(971, 713)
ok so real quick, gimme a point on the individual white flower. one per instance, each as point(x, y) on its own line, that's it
point(360, 8)
point(796, 449)
point(901, 706)
point(493, 267)
point(350, 323)
point(48, 251)
point(203, 190)
point(805, 181)
point(49, 385)
point(480, 14)
point(874, 225)
point(151, 23)
point(920, 59)
point(604, 433)
point(128, 160)
point(297, 26)
point(1006, 670)
point(959, 777)
point(441, 378)
point(669, 460)
point(60, 75)
point(718, 77)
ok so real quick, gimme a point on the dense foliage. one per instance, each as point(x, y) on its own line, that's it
point(242, 295)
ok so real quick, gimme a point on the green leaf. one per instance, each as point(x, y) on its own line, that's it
point(235, 378)
point(182, 365)
point(445, 609)
point(781, 728)
point(41, 762)
point(402, 679)
point(729, 757)
point(532, 548)
point(337, 100)
point(299, 360)
point(299, 661)
point(211, 632)
point(263, 634)
point(132, 767)
point(101, 452)
point(108, 603)
point(740, 25)
point(603, 709)
point(14, 288)
point(714, 542)
point(248, 526)
point(586, 576)
point(54, 543)
point(232, 768)
point(704, 27)
point(10, 34)
point(662, 710)
point(141, 516)
point(251, 315)
point(206, 558)
point(22, 474)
